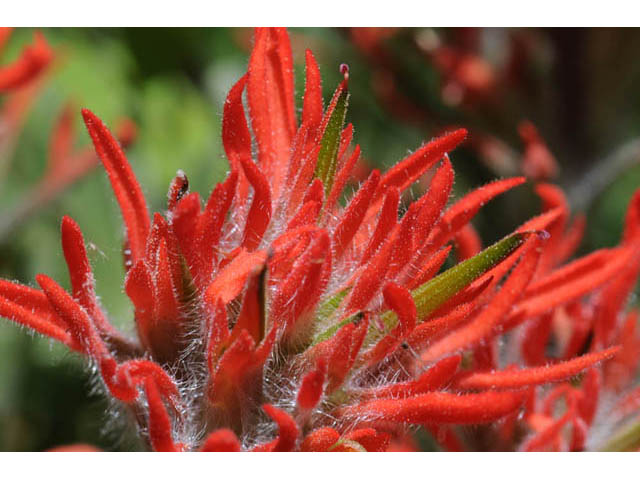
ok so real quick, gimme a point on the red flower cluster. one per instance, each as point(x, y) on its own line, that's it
point(275, 319)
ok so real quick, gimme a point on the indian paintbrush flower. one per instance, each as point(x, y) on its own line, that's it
point(276, 319)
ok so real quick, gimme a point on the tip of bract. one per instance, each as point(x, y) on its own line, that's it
point(67, 220)
point(344, 70)
point(88, 115)
point(459, 135)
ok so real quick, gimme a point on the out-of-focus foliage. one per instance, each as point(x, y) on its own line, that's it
point(575, 85)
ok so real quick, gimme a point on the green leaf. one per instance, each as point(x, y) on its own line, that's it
point(434, 293)
point(328, 155)
point(329, 306)
point(438, 290)
point(628, 440)
point(330, 332)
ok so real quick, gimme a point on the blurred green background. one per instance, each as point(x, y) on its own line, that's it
point(577, 85)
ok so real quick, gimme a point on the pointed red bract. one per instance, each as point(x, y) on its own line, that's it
point(354, 214)
point(287, 431)
point(271, 103)
point(562, 288)
point(209, 227)
point(312, 387)
point(399, 301)
point(236, 138)
point(223, 440)
point(80, 325)
point(341, 178)
point(536, 375)
point(459, 214)
point(312, 106)
point(386, 222)
point(35, 321)
point(124, 183)
point(434, 378)
point(439, 407)
point(260, 212)
point(159, 421)
point(404, 173)
point(231, 280)
point(82, 282)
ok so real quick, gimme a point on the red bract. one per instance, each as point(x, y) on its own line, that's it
point(276, 319)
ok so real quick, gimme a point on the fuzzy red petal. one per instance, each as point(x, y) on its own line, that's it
point(222, 440)
point(209, 228)
point(287, 431)
point(124, 183)
point(404, 173)
point(461, 212)
point(312, 107)
point(354, 214)
point(259, 214)
point(439, 407)
point(573, 287)
point(434, 378)
point(229, 282)
point(271, 101)
point(159, 422)
point(386, 222)
point(236, 138)
point(312, 387)
point(536, 375)
point(341, 178)
point(29, 318)
point(82, 281)
point(79, 323)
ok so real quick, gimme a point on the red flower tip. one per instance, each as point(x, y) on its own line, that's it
point(312, 107)
point(159, 421)
point(287, 431)
point(439, 408)
point(124, 183)
point(403, 174)
point(312, 387)
point(536, 375)
point(223, 440)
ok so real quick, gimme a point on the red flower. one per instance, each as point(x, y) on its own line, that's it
point(275, 319)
